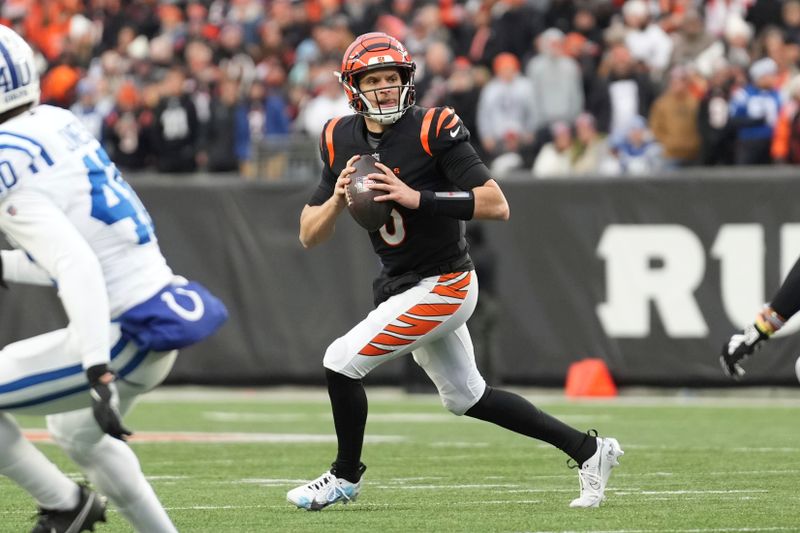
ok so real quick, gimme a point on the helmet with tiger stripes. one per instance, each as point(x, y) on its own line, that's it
point(374, 51)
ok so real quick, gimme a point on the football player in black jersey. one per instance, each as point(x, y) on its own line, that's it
point(427, 288)
point(784, 305)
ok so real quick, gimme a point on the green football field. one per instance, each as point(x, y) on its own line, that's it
point(222, 461)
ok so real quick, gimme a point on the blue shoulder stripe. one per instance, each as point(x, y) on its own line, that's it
point(45, 155)
point(32, 166)
point(10, 63)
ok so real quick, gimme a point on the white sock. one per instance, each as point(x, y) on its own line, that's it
point(27, 466)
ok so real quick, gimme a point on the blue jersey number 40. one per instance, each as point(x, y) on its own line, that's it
point(113, 199)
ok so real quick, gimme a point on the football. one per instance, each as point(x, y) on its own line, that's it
point(371, 215)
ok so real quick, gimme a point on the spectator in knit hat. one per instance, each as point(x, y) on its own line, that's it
point(125, 132)
point(645, 39)
point(754, 111)
point(505, 115)
point(89, 109)
point(556, 81)
point(734, 48)
point(637, 152)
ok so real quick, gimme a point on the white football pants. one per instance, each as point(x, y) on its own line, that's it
point(44, 375)
point(429, 319)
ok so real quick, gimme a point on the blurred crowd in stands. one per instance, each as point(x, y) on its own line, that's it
point(552, 88)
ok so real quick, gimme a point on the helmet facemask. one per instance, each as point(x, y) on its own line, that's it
point(372, 52)
point(360, 101)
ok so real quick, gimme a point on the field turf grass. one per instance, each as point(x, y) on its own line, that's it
point(692, 464)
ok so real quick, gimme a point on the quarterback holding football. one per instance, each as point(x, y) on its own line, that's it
point(427, 288)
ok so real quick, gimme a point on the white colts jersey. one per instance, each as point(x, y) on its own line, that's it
point(64, 204)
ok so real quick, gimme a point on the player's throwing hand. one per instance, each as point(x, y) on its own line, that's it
point(395, 188)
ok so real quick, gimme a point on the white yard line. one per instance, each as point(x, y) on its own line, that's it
point(199, 437)
point(673, 530)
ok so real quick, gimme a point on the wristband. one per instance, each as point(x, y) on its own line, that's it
point(460, 205)
point(768, 321)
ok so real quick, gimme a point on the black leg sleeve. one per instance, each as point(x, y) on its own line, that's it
point(349, 406)
point(514, 412)
point(787, 300)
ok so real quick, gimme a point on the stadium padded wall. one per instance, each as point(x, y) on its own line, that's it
point(652, 275)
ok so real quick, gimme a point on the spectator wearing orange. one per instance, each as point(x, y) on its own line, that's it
point(124, 132)
point(58, 85)
point(786, 139)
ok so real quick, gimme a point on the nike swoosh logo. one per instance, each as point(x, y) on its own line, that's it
point(78, 522)
point(455, 132)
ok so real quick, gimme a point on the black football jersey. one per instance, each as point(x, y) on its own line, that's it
point(429, 150)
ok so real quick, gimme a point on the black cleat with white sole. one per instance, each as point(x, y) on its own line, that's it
point(91, 509)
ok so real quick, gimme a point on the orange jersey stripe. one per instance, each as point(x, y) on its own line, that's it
point(452, 123)
point(423, 134)
point(446, 113)
point(329, 139)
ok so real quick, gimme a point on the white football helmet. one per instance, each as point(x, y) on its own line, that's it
point(19, 78)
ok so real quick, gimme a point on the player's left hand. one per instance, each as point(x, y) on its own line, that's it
point(741, 346)
point(105, 402)
point(395, 188)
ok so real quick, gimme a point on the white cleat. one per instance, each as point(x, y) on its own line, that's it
point(594, 473)
point(326, 490)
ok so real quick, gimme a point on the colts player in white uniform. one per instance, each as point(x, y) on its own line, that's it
point(78, 226)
